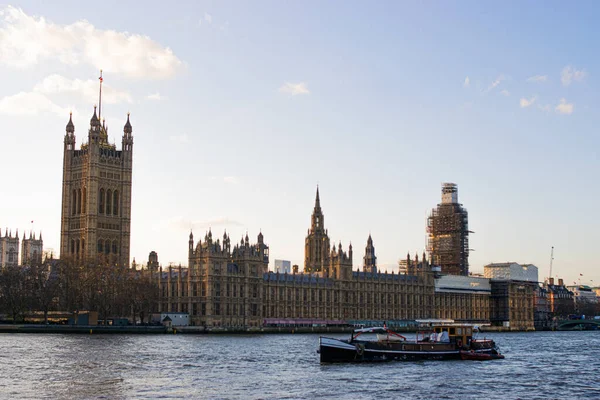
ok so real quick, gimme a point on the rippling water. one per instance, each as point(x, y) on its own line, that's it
point(537, 365)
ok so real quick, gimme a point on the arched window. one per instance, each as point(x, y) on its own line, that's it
point(114, 247)
point(116, 202)
point(79, 201)
point(72, 246)
point(108, 202)
point(74, 202)
point(77, 248)
point(84, 200)
point(100, 247)
point(101, 202)
point(107, 247)
point(11, 255)
point(82, 247)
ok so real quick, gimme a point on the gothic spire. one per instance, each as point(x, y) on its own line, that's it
point(70, 127)
point(127, 128)
point(317, 200)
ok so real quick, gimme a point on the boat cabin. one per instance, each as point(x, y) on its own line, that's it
point(456, 333)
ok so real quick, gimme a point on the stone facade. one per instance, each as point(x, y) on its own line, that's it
point(96, 195)
point(9, 249)
point(225, 287)
point(32, 250)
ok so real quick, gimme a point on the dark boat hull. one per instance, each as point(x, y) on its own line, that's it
point(335, 350)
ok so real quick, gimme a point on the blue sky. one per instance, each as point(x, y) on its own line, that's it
point(240, 109)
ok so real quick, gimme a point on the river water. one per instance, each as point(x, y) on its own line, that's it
point(544, 365)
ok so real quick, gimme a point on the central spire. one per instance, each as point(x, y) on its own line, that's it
point(317, 200)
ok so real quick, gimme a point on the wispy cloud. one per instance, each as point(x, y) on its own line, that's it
point(180, 223)
point(545, 108)
point(86, 89)
point(155, 96)
point(571, 74)
point(495, 83)
point(231, 180)
point(294, 88)
point(505, 92)
point(31, 104)
point(42, 98)
point(183, 138)
point(208, 18)
point(564, 108)
point(27, 40)
point(537, 78)
point(527, 102)
point(467, 82)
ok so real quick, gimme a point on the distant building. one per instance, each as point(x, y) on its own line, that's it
point(9, 249)
point(511, 271)
point(32, 250)
point(283, 266)
point(514, 294)
point(560, 298)
point(448, 229)
point(585, 299)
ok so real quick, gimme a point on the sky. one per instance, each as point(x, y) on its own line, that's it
point(240, 109)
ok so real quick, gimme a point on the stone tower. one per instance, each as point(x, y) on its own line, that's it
point(9, 249)
point(316, 249)
point(32, 250)
point(448, 228)
point(370, 260)
point(96, 195)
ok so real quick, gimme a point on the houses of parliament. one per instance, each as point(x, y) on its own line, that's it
point(228, 285)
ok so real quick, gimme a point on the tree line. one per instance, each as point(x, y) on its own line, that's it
point(70, 286)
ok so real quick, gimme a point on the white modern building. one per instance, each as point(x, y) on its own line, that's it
point(283, 266)
point(511, 271)
point(463, 284)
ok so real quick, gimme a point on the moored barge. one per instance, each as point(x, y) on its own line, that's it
point(443, 342)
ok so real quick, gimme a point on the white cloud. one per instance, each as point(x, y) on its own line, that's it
point(155, 96)
point(505, 92)
point(231, 180)
point(30, 104)
point(41, 100)
point(537, 78)
point(571, 74)
point(467, 82)
point(183, 138)
point(88, 89)
point(28, 40)
point(494, 84)
point(527, 102)
point(208, 18)
point(294, 88)
point(564, 108)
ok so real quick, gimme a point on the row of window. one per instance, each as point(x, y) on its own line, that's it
point(108, 202)
point(104, 246)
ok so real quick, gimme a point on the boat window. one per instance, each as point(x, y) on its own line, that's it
point(452, 331)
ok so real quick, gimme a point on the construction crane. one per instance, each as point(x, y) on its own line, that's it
point(551, 259)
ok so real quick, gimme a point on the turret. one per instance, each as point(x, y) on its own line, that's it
point(94, 132)
point(70, 134)
point(127, 142)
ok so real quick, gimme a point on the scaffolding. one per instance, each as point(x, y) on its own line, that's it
point(448, 231)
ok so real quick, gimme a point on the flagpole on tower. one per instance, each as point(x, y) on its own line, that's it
point(100, 99)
